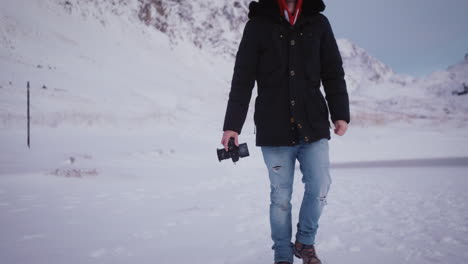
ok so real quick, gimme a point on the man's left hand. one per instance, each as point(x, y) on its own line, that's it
point(340, 127)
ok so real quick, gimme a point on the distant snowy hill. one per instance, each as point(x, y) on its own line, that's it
point(450, 81)
point(111, 62)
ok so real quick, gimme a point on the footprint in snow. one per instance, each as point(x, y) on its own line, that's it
point(333, 243)
point(27, 197)
point(354, 249)
point(33, 236)
point(19, 210)
point(115, 251)
point(98, 253)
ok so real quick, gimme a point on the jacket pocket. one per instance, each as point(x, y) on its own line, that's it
point(259, 109)
point(316, 109)
point(312, 71)
point(272, 54)
point(262, 112)
point(323, 103)
point(311, 45)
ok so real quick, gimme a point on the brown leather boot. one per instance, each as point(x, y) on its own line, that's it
point(306, 253)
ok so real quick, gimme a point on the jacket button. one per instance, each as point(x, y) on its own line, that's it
point(292, 73)
point(292, 102)
point(293, 42)
point(292, 119)
point(294, 142)
point(306, 138)
point(299, 125)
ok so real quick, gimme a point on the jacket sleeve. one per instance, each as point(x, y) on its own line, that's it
point(332, 75)
point(243, 79)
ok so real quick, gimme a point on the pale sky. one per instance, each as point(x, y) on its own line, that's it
point(415, 37)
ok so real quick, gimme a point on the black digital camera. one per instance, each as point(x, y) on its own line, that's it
point(234, 152)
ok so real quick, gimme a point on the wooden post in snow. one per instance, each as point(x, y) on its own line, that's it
point(28, 114)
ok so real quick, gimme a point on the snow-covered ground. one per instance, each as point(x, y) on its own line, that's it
point(123, 168)
point(148, 196)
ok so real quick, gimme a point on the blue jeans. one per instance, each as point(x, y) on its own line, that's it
point(314, 163)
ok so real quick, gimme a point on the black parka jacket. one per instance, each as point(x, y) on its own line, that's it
point(289, 63)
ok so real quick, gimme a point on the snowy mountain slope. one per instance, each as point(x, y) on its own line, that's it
point(213, 25)
point(363, 70)
point(451, 87)
point(447, 82)
point(99, 71)
point(436, 97)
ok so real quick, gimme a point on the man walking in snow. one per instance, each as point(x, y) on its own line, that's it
point(289, 48)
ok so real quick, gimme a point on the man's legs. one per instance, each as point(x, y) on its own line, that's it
point(314, 164)
point(280, 162)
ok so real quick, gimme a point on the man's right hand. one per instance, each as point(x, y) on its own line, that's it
point(226, 136)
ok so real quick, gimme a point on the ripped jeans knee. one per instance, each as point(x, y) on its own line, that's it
point(319, 193)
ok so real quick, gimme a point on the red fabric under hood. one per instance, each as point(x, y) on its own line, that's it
point(291, 18)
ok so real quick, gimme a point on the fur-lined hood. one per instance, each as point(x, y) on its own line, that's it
point(270, 8)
